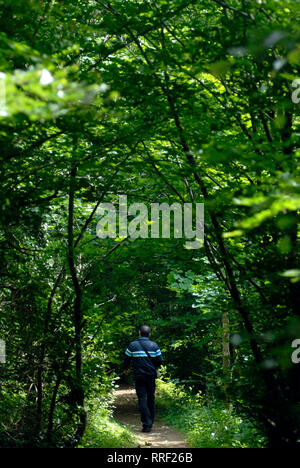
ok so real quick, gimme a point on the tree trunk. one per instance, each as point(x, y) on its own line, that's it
point(226, 354)
point(77, 391)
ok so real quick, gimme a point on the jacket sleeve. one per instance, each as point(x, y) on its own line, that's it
point(158, 359)
point(127, 358)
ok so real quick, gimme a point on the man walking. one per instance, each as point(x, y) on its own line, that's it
point(146, 357)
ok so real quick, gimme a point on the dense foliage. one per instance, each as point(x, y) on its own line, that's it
point(164, 101)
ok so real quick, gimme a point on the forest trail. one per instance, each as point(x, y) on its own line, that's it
point(126, 412)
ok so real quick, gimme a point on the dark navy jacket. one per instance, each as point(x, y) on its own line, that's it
point(141, 363)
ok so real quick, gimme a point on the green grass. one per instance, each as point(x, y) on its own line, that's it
point(103, 432)
point(203, 425)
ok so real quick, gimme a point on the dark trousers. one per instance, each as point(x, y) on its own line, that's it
point(145, 390)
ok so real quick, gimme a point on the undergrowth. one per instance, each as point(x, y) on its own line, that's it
point(204, 425)
point(102, 430)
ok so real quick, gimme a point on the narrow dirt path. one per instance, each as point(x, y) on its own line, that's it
point(126, 412)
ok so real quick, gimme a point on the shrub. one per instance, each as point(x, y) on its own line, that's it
point(102, 431)
point(205, 425)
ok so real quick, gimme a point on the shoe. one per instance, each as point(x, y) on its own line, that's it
point(146, 429)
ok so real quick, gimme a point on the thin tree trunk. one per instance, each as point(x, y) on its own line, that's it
point(42, 353)
point(78, 392)
point(226, 355)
